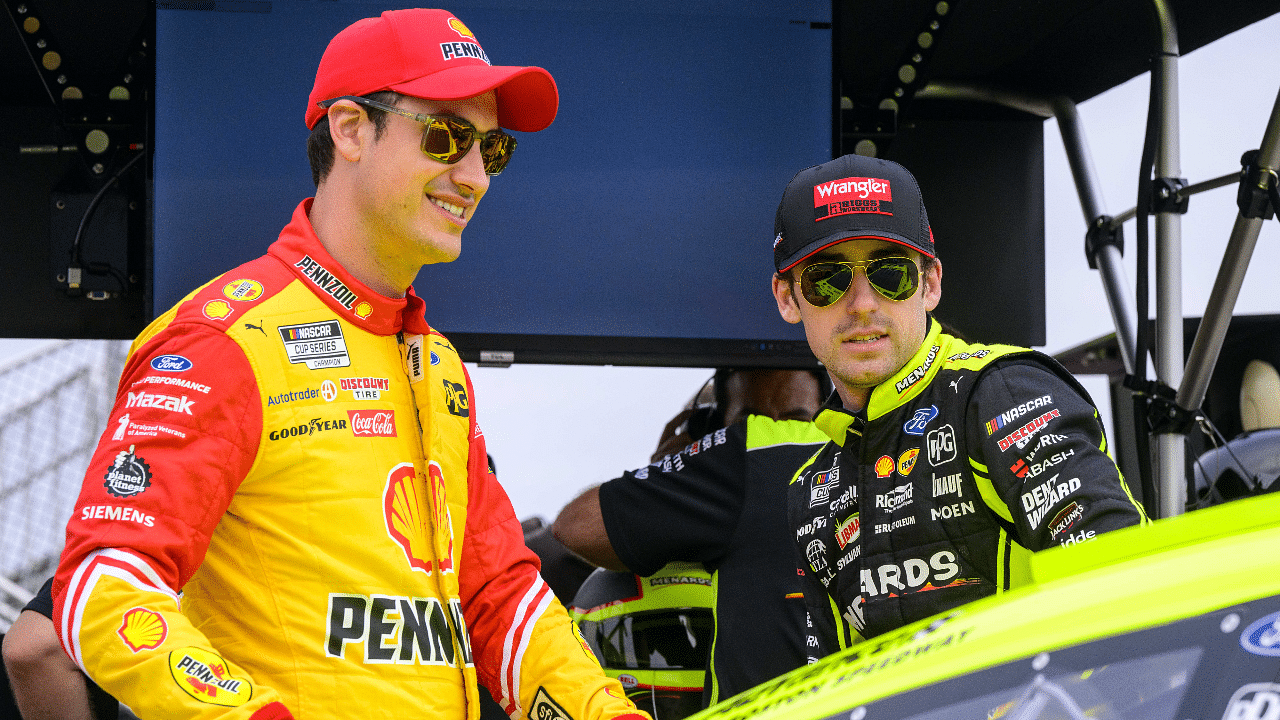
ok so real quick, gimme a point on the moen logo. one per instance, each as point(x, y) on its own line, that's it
point(455, 397)
point(397, 629)
point(326, 281)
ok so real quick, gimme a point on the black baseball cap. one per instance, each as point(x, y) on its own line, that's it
point(850, 197)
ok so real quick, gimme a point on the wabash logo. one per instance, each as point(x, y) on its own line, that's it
point(852, 195)
point(416, 512)
point(455, 398)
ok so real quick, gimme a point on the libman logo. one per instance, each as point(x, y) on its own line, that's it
point(416, 512)
point(852, 195)
point(848, 531)
point(204, 676)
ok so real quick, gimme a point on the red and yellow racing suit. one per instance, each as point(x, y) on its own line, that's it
point(291, 513)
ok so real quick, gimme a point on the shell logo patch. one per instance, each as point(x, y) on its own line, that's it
point(244, 290)
point(143, 629)
point(363, 310)
point(204, 676)
point(884, 466)
point(412, 510)
point(216, 310)
point(456, 25)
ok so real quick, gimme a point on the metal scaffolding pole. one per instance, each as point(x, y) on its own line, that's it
point(1171, 474)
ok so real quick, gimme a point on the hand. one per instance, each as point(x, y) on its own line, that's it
point(675, 436)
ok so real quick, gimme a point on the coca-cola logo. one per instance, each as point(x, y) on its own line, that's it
point(373, 423)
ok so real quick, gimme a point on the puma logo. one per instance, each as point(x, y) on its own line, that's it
point(251, 326)
point(954, 384)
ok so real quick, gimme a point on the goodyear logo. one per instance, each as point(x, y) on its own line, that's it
point(204, 676)
point(455, 398)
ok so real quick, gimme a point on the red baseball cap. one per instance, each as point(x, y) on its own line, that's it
point(432, 55)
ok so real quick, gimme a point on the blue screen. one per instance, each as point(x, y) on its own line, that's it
point(644, 211)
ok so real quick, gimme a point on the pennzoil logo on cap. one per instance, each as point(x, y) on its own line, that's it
point(852, 195)
point(460, 50)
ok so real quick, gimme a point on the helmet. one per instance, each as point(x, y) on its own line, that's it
point(652, 633)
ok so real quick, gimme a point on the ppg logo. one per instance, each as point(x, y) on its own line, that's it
point(917, 423)
point(455, 396)
point(1255, 701)
point(942, 445)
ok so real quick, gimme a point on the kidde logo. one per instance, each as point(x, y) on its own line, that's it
point(850, 188)
point(373, 423)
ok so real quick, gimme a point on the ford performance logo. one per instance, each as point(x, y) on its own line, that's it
point(918, 422)
point(171, 363)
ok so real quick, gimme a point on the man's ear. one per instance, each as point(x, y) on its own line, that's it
point(347, 129)
point(786, 299)
point(933, 286)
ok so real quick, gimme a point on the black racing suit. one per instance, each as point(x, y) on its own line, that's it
point(722, 502)
point(964, 462)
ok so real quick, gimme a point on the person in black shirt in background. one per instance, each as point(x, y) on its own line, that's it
point(715, 494)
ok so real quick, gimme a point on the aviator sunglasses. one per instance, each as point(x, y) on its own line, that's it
point(446, 138)
point(895, 278)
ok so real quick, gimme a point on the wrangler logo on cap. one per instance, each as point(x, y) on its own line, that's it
point(852, 195)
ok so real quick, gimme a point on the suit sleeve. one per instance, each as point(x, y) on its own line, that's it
point(527, 652)
point(182, 435)
point(685, 506)
point(1043, 464)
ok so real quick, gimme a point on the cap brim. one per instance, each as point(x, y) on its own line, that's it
point(527, 96)
point(828, 241)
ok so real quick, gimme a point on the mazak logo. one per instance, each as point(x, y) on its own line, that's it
point(916, 375)
point(1022, 435)
point(327, 282)
point(171, 363)
point(941, 445)
point(373, 423)
point(917, 423)
point(160, 402)
point(455, 398)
